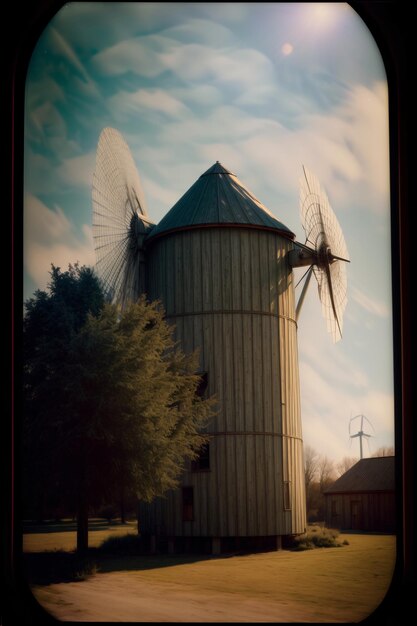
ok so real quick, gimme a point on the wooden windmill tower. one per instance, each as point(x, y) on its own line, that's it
point(221, 264)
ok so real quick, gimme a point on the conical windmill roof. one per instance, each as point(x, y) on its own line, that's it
point(218, 198)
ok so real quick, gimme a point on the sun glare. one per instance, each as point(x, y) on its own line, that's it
point(287, 49)
point(323, 14)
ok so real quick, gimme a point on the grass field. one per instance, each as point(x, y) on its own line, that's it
point(329, 584)
point(43, 538)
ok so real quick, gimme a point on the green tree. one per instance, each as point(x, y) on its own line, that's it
point(52, 319)
point(111, 399)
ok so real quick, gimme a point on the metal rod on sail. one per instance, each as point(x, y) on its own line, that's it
point(303, 293)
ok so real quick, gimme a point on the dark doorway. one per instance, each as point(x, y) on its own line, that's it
point(356, 515)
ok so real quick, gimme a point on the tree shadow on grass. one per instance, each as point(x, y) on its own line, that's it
point(45, 568)
point(116, 554)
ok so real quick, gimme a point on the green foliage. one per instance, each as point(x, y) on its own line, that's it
point(52, 321)
point(317, 537)
point(110, 400)
point(138, 390)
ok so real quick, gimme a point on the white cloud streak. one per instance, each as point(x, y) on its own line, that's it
point(150, 101)
point(327, 409)
point(241, 67)
point(369, 304)
point(77, 171)
point(202, 31)
point(49, 237)
point(143, 56)
point(262, 120)
point(61, 44)
point(335, 386)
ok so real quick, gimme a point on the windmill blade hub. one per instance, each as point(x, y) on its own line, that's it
point(324, 256)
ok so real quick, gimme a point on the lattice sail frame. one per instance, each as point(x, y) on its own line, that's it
point(118, 209)
point(324, 234)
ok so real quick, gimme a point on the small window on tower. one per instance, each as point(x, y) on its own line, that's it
point(287, 496)
point(202, 462)
point(187, 504)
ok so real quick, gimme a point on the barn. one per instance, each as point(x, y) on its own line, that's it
point(218, 261)
point(364, 497)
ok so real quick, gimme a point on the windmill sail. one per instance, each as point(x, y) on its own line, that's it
point(119, 217)
point(325, 236)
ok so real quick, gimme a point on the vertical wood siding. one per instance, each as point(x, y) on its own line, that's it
point(229, 292)
point(376, 511)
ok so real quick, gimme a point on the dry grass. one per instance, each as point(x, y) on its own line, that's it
point(323, 585)
point(326, 580)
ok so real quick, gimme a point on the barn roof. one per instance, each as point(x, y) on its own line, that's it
point(218, 197)
point(374, 474)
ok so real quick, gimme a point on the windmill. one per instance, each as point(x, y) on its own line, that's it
point(326, 253)
point(222, 265)
point(361, 434)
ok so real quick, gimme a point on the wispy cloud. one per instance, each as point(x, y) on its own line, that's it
point(43, 224)
point(369, 304)
point(228, 12)
point(202, 31)
point(38, 173)
point(142, 55)
point(150, 101)
point(199, 94)
point(218, 61)
point(327, 409)
point(187, 86)
point(62, 45)
point(158, 195)
point(356, 132)
point(77, 171)
point(222, 123)
point(273, 153)
point(45, 176)
point(240, 67)
point(44, 121)
point(36, 90)
point(51, 238)
point(336, 384)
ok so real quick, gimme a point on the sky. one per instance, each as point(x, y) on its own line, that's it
point(264, 89)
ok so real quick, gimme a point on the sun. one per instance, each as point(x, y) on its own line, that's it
point(322, 14)
point(287, 49)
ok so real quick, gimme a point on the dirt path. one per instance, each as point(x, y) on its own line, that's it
point(116, 597)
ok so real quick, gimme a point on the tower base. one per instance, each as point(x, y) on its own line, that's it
point(216, 545)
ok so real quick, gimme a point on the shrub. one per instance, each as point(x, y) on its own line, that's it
point(302, 545)
point(317, 537)
point(127, 544)
point(85, 570)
